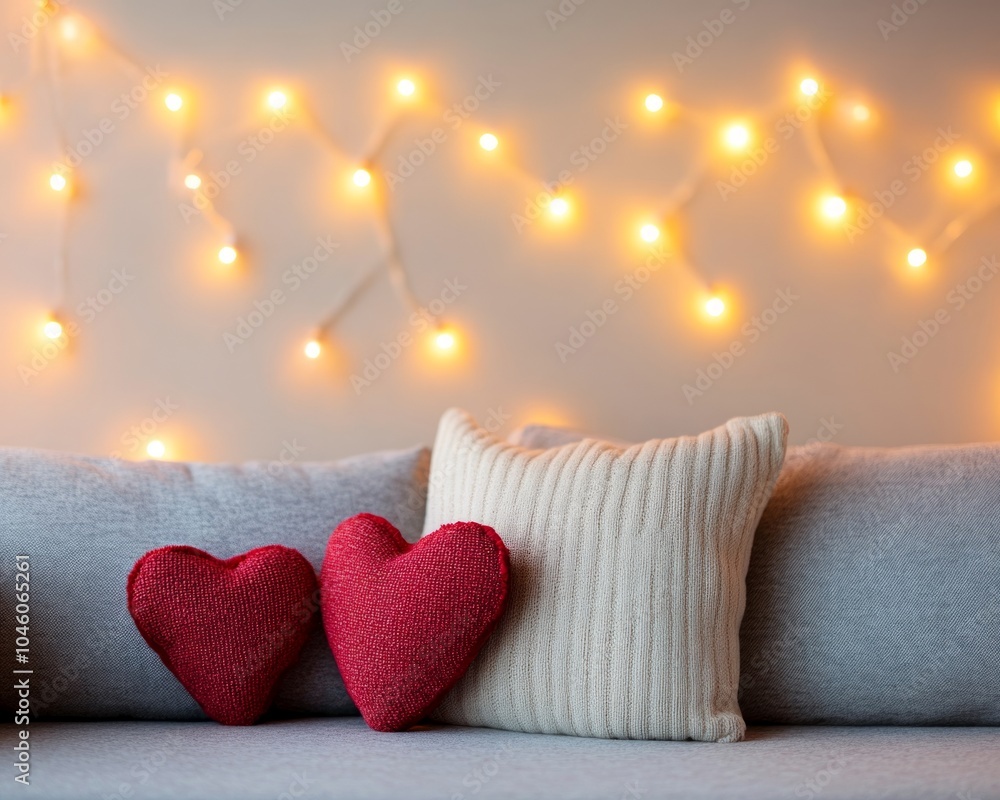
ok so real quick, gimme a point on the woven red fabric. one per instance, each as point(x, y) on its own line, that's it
point(226, 629)
point(405, 621)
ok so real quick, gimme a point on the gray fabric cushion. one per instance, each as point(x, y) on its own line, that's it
point(85, 521)
point(342, 758)
point(873, 594)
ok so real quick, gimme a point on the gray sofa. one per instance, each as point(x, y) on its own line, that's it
point(870, 648)
point(342, 758)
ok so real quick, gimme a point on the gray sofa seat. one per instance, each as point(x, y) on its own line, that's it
point(341, 758)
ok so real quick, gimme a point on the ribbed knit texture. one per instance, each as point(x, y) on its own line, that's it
point(872, 591)
point(628, 572)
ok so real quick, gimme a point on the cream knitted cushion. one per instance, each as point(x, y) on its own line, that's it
point(627, 577)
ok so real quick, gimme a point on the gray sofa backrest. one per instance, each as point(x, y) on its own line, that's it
point(83, 522)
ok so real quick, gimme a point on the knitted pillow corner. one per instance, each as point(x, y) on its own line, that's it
point(628, 570)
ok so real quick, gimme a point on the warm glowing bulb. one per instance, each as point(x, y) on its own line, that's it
point(57, 182)
point(277, 100)
point(192, 181)
point(917, 257)
point(53, 329)
point(69, 27)
point(963, 168)
point(313, 349)
point(362, 177)
point(834, 206)
point(445, 341)
point(736, 136)
point(406, 87)
point(173, 101)
point(649, 233)
point(861, 112)
point(654, 102)
point(227, 254)
point(488, 141)
point(715, 307)
point(809, 86)
point(559, 207)
point(156, 449)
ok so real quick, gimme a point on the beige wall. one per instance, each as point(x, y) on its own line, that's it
point(160, 340)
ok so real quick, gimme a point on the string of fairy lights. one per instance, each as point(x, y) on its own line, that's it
point(735, 138)
point(70, 30)
point(837, 204)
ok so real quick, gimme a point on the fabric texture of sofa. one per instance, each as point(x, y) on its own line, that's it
point(934, 566)
point(341, 758)
point(84, 521)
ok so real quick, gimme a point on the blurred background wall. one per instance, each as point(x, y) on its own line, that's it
point(823, 320)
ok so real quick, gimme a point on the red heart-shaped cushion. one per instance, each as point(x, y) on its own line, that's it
point(226, 629)
point(405, 621)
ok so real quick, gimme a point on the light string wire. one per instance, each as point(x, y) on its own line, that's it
point(52, 72)
point(187, 159)
point(935, 245)
point(391, 261)
point(818, 152)
point(48, 61)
